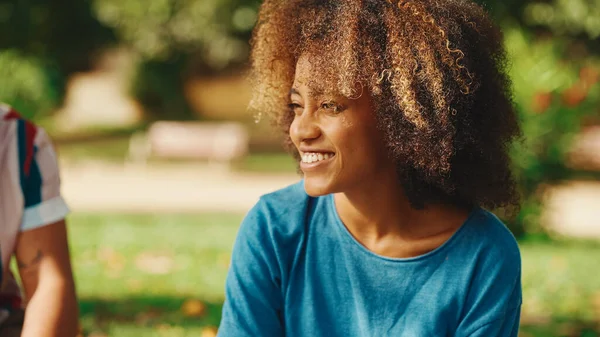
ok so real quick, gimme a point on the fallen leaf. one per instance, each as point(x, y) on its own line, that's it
point(134, 284)
point(144, 318)
point(596, 304)
point(153, 263)
point(209, 331)
point(104, 253)
point(193, 308)
point(163, 327)
point(568, 329)
point(112, 261)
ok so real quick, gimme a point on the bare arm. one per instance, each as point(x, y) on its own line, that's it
point(45, 269)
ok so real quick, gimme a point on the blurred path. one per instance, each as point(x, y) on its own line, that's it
point(572, 209)
point(103, 187)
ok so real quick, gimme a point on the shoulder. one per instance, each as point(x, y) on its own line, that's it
point(28, 144)
point(496, 239)
point(282, 211)
point(490, 250)
point(5, 110)
point(285, 201)
point(494, 272)
point(273, 229)
point(34, 167)
point(21, 129)
point(279, 217)
point(493, 250)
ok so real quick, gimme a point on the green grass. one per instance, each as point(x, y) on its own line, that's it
point(134, 272)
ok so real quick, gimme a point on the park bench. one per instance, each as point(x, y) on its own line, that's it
point(216, 142)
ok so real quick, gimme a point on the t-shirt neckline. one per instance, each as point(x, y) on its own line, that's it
point(348, 237)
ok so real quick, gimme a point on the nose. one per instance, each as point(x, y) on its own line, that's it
point(304, 128)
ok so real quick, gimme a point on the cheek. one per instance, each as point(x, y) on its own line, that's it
point(365, 148)
point(347, 123)
point(353, 147)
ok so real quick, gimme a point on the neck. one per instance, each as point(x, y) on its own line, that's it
point(378, 209)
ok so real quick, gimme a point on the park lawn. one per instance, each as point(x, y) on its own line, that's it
point(163, 275)
point(135, 272)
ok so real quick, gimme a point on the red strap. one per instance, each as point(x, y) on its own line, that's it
point(30, 133)
point(12, 114)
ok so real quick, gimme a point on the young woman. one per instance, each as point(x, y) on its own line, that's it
point(400, 115)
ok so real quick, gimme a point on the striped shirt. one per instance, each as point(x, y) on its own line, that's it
point(29, 191)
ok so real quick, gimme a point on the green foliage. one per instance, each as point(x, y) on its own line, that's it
point(24, 84)
point(566, 17)
point(159, 87)
point(215, 30)
point(173, 38)
point(553, 96)
point(63, 31)
point(42, 43)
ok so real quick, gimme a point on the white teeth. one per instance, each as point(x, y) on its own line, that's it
point(315, 157)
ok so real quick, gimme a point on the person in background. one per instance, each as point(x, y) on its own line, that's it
point(399, 114)
point(32, 228)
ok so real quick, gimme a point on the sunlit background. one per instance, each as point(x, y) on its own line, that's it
point(146, 103)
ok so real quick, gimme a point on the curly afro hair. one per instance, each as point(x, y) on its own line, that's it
point(435, 70)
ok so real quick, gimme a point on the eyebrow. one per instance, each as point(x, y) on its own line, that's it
point(294, 91)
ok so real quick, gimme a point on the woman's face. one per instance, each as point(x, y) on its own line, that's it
point(337, 138)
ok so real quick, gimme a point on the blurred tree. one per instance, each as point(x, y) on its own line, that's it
point(577, 18)
point(178, 38)
point(25, 85)
point(576, 21)
point(554, 59)
point(553, 95)
point(49, 40)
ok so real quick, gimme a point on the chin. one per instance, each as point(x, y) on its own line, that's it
point(316, 188)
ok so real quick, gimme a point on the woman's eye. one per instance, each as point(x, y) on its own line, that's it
point(295, 108)
point(332, 107)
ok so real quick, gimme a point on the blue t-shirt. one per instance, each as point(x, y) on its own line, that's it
point(297, 271)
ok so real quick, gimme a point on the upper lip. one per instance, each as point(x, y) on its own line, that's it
point(313, 150)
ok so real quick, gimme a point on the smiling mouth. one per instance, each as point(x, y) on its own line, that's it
point(315, 157)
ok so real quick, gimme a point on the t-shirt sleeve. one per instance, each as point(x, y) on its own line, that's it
point(494, 301)
point(505, 326)
point(253, 298)
point(44, 204)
